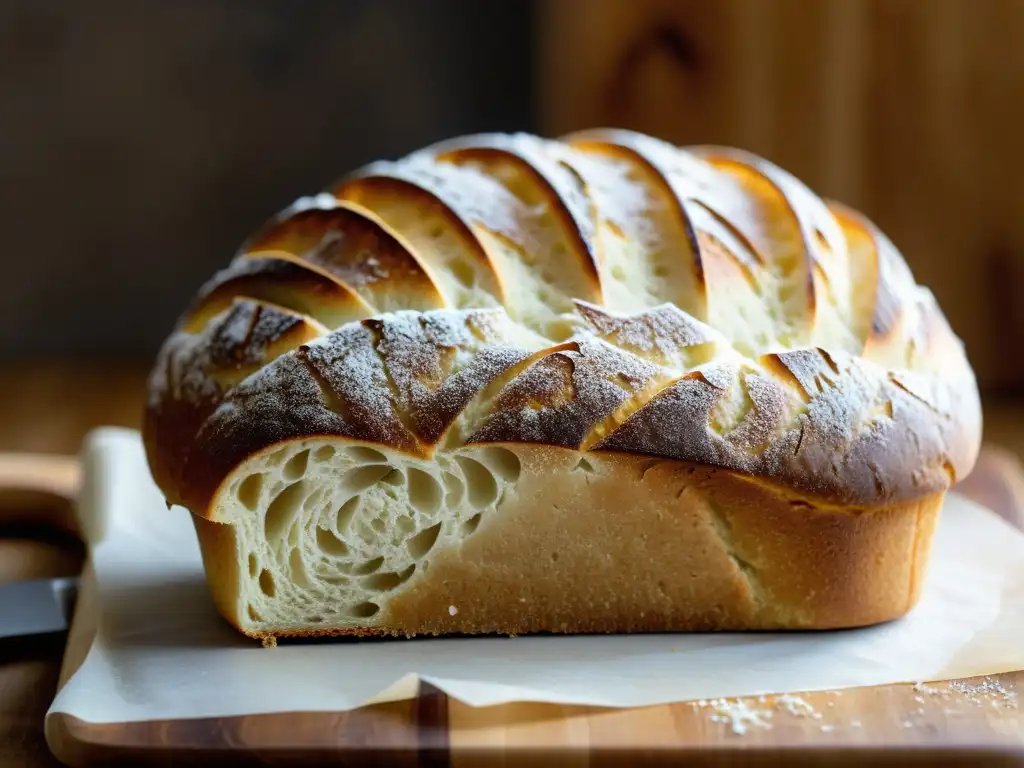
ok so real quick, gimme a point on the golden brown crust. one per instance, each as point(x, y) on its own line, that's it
point(396, 196)
point(677, 175)
point(869, 443)
point(539, 176)
point(352, 246)
point(194, 371)
point(277, 279)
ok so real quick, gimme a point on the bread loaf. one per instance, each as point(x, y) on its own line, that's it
point(598, 384)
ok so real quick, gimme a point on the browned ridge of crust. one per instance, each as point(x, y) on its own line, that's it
point(606, 293)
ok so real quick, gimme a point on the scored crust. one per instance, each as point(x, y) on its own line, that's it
point(605, 300)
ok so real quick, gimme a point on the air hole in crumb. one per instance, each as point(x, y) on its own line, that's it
point(394, 477)
point(504, 462)
point(619, 273)
point(316, 618)
point(324, 453)
point(463, 272)
point(483, 490)
point(254, 565)
point(296, 466)
point(345, 513)
point(472, 524)
point(360, 479)
point(363, 610)
point(369, 566)
point(298, 568)
point(330, 544)
point(405, 525)
point(267, 585)
point(384, 582)
point(584, 466)
point(283, 509)
point(249, 491)
point(363, 455)
point(379, 525)
point(420, 544)
point(424, 491)
point(254, 615)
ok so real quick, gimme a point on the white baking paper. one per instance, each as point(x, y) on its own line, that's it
point(161, 652)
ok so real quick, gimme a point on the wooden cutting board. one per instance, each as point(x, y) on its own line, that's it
point(976, 722)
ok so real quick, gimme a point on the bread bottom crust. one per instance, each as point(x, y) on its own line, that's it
point(630, 544)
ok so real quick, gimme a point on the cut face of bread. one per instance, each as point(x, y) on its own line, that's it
point(327, 528)
point(602, 383)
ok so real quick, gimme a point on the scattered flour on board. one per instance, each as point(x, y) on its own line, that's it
point(738, 715)
point(985, 691)
point(742, 715)
point(797, 706)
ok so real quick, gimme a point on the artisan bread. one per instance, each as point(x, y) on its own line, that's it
point(598, 384)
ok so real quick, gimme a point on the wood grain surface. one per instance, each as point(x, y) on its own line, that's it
point(885, 725)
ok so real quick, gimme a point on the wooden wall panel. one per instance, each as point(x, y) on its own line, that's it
point(911, 111)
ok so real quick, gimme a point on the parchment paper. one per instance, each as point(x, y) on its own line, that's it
point(161, 651)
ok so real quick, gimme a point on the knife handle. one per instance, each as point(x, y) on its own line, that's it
point(39, 490)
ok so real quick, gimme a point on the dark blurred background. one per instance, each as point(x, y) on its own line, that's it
point(142, 140)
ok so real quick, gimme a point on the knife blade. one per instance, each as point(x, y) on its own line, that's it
point(36, 607)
